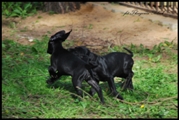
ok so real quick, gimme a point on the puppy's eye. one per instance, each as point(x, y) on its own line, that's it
point(52, 38)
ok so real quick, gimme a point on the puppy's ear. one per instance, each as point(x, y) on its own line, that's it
point(65, 36)
point(57, 36)
point(60, 36)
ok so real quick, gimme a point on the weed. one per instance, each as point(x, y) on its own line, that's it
point(12, 25)
point(113, 3)
point(49, 32)
point(13, 32)
point(120, 31)
point(154, 59)
point(60, 26)
point(36, 21)
point(39, 17)
point(138, 20)
point(24, 29)
point(90, 26)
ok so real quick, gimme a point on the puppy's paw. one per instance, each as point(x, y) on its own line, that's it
point(102, 102)
point(49, 81)
point(54, 76)
point(91, 93)
point(119, 97)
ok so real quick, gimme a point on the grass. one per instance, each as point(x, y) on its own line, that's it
point(25, 93)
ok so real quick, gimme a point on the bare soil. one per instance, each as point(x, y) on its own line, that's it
point(92, 26)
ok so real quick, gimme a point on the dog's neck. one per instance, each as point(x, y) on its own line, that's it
point(58, 47)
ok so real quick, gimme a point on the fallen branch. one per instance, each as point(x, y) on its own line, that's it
point(154, 102)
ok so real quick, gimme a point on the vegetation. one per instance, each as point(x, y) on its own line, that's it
point(25, 93)
point(20, 9)
point(24, 9)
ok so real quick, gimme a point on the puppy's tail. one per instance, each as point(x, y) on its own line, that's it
point(131, 53)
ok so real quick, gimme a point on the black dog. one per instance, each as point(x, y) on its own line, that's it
point(64, 62)
point(115, 64)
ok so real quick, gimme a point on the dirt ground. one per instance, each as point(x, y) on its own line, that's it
point(92, 26)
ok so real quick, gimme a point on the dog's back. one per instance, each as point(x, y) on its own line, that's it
point(68, 63)
point(119, 63)
point(86, 55)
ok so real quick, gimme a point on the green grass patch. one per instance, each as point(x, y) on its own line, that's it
point(25, 93)
point(20, 9)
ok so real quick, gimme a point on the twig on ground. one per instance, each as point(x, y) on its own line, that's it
point(160, 100)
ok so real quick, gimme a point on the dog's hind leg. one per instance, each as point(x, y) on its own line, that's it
point(113, 88)
point(92, 90)
point(98, 89)
point(128, 82)
point(129, 79)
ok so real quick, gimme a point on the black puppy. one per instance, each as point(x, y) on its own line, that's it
point(64, 62)
point(115, 64)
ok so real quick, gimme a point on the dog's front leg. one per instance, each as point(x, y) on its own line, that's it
point(113, 88)
point(53, 72)
point(53, 75)
point(51, 80)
